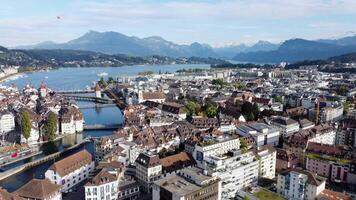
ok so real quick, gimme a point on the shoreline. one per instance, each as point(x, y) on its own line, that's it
point(5, 78)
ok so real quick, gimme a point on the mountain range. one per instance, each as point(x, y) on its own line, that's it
point(263, 51)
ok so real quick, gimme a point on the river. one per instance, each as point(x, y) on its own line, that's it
point(77, 79)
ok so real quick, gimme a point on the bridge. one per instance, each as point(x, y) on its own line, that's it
point(91, 127)
point(86, 98)
point(98, 106)
point(75, 92)
point(119, 102)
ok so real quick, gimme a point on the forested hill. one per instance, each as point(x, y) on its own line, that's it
point(41, 58)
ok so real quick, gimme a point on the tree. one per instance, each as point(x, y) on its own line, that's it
point(26, 125)
point(111, 80)
point(278, 99)
point(243, 145)
point(250, 117)
point(102, 82)
point(211, 111)
point(51, 126)
point(246, 108)
point(246, 198)
point(256, 111)
point(191, 108)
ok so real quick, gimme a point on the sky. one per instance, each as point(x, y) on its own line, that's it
point(214, 22)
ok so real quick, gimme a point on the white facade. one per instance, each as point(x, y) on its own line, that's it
point(73, 178)
point(221, 146)
point(72, 126)
point(325, 138)
point(267, 163)
point(7, 122)
point(295, 185)
point(236, 172)
point(34, 136)
point(107, 191)
point(262, 133)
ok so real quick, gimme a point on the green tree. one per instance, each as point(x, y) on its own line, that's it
point(346, 106)
point(243, 145)
point(191, 108)
point(250, 117)
point(102, 82)
point(111, 80)
point(26, 125)
point(255, 111)
point(246, 108)
point(211, 111)
point(278, 99)
point(51, 126)
point(246, 198)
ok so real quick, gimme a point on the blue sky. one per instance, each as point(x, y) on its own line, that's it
point(215, 22)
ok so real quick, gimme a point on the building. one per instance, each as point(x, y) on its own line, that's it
point(190, 183)
point(236, 170)
point(267, 162)
point(174, 163)
point(285, 159)
point(40, 189)
point(299, 184)
point(212, 146)
point(158, 96)
point(329, 161)
point(175, 109)
point(103, 186)
point(72, 120)
point(71, 170)
point(286, 126)
point(97, 91)
point(7, 122)
point(8, 196)
point(128, 190)
point(262, 133)
point(328, 114)
point(148, 169)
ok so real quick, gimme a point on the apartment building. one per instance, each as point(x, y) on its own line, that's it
point(262, 133)
point(286, 126)
point(236, 170)
point(103, 186)
point(188, 184)
point(148, 169)
point(267, 162)
point(71, 170)
point(299, 184)
point(214, 146)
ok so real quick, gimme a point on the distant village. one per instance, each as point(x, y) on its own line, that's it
point(201, 134)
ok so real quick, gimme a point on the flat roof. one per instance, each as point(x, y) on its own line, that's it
point(177, 185)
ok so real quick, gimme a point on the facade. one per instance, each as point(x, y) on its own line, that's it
point(128, 190)
point(299, 184)
point(7, 122)
point(40, 189)
point(148, 169)
point(219, 145)
point(329, 161)
point(329, 114)
point(285, 125)
point(236, 171)
point(103, 186)
point(189, 184)
point(262, 133)
point(267, 162)
point(71, 170)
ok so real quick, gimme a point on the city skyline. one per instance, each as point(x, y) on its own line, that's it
point(218, 23)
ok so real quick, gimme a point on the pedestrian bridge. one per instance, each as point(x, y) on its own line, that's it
point(89, 127)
